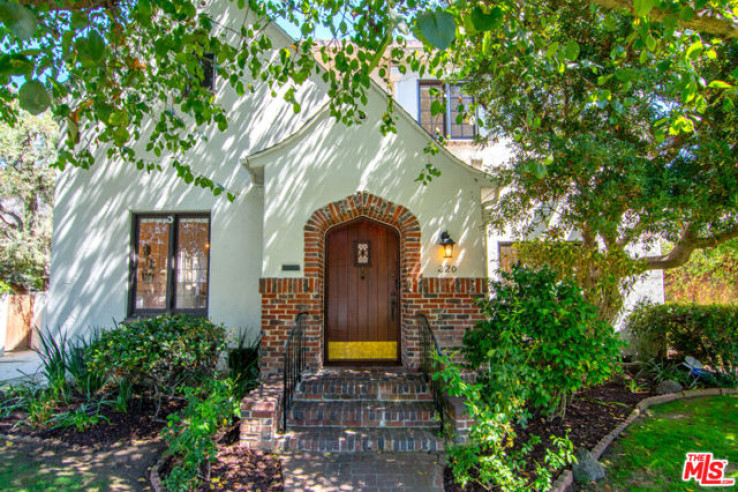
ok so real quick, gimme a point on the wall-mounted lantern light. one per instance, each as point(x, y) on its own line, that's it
point(447, 245)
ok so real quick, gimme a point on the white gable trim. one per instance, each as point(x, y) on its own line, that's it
point(252, 161)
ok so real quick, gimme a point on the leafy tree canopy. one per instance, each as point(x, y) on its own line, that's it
point(623, 113)
point(26, 196)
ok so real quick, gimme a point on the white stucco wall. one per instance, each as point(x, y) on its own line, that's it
point(91, 245)
point(253, 236)
point(94, 211)
point(329, 162)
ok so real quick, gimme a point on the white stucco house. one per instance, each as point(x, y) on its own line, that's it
point(325, 216)
point(329, 225)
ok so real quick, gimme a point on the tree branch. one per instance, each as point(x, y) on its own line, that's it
point(52, 6)
point(18, 225)
point(716, 26)
point(686, 245)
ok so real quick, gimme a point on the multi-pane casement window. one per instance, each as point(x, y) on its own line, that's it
point(457, 122)
point(170, 264)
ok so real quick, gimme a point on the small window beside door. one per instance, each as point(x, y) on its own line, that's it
point(507, 256)
point(170, 264)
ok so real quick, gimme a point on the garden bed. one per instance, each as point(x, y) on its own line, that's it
point(592, 415)
point(235, 468)
point(135, 425)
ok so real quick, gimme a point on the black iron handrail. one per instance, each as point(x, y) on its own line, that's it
point(429, 365)
point(294, 364)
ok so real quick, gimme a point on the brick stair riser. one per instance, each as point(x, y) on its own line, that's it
point(358, 445)
point(365, 391)
point(363, 414)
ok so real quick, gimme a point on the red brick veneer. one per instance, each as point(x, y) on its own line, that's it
point(448, 302)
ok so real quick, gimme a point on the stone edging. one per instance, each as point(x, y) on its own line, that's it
point(155, 478)
point(566, 479)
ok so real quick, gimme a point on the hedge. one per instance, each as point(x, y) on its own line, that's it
point(708, 333)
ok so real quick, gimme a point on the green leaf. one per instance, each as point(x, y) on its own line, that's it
point(552, 49)
point(121, 136)
point(19, 19)
point(694, 50)
point(540, 170)
point(15, 65)
point(438, 28)
point(719, 84)
point(643, 7)
point(72, 131)
point(483, 21)
point(610, 24)
point(33, 97)
point(96, 46)
point(650, 42)
point(572, 50)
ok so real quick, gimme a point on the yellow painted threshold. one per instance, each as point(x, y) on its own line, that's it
point(361, 350)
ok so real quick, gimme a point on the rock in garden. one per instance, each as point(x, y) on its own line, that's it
point(587, 468)
point(667, 387)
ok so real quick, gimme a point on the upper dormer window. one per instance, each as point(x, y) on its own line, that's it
point(456, 122)
point(207, 62)
point(207, 65)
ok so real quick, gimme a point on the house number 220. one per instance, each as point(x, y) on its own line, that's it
point(447, 269)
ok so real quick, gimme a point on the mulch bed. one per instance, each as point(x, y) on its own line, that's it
point(592, 415)
point(136, 424)
point(235, 469)
point(240, 469)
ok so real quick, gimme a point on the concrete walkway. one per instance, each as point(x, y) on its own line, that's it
point(370, 472)
point(14, 366)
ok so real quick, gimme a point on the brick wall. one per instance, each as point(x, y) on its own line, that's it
point(449, 305)
point(260, 414)
point(447, 302)
point(282, 299)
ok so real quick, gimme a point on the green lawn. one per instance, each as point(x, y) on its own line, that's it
point(27, 467)
point(650, 454)
point(22, 471)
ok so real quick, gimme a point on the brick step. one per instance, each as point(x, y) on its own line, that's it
point(363, 414)
point(358, 440)
point(364, 386)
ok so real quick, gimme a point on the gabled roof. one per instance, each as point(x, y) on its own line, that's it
point(255, 168)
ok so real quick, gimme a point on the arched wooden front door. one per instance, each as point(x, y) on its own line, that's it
point(362, 295)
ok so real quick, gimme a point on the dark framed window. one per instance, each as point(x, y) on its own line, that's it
point(507, 256)
point(455, 122)
point(207, 62)
point(207, 65)
point(170, 264)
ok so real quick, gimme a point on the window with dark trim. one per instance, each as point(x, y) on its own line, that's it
point(170, 264)
point(456, 122)
point(207, 62)
point(507, 256)
point(207, 65)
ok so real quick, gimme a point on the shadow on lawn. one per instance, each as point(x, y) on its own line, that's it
point(37, 467)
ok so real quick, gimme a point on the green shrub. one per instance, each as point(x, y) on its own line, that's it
point(190, 433)
point(54, 353)
point(708, 333)
point(488, 458)
point(547, 332)
point(243, 364)
point(540, 342)
point(158, 355)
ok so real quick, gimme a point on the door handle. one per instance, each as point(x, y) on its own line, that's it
point(393, 306)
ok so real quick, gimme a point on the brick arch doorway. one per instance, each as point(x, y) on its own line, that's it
point(362, 294)
point(367, 206)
